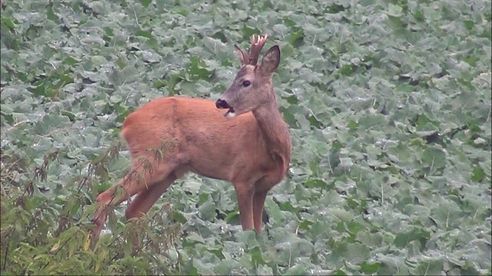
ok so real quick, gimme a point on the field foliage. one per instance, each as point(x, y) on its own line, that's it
point(388, 103)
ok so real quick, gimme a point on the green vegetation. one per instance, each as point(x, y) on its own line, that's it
point(388, 101)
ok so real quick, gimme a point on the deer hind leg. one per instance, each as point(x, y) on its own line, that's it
point(146, 199)
point(139, 179)
point(258, 203)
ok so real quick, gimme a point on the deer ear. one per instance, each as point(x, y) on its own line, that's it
point(270, 60)
point(240, 53)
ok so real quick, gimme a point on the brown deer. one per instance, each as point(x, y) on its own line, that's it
point(251, 150)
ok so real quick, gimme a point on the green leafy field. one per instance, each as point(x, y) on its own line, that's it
point(388, 102)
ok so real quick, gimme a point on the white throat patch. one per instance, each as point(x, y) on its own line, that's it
point(230, 114)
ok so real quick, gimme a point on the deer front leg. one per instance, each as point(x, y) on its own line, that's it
point(258, 203)
point(244, 193)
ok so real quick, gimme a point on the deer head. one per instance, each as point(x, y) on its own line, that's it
point(252, 86)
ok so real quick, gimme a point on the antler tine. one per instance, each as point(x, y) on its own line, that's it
point(244, 57)
point(254, 39)
point(257, 43)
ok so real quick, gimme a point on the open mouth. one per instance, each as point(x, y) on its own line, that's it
point(220, 103)
point(230, 113)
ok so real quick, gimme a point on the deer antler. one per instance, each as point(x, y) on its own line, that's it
point(257, 43)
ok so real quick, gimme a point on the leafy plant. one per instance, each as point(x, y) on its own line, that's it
point(388, 104)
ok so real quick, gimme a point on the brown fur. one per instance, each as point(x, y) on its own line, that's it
point(170, 136)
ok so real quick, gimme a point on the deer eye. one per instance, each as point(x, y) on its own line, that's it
point(246, 83)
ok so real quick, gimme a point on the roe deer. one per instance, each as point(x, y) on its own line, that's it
point(251, 150)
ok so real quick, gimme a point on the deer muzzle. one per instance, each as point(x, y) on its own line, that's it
point(222, 104)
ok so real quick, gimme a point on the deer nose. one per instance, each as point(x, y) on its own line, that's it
point(221, 104)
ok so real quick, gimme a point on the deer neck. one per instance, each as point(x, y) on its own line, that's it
point(275, 133)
